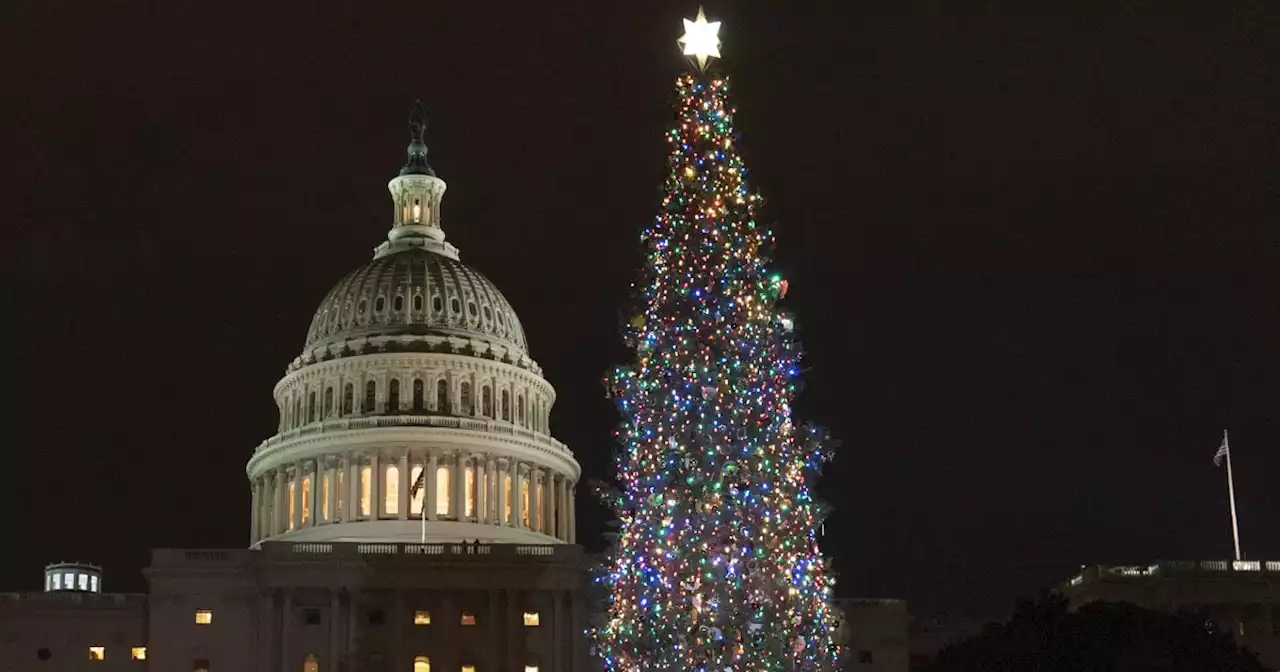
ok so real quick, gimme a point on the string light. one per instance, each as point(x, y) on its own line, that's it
point(716, 565)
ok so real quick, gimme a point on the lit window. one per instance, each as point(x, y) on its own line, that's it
point(442, 491)
point(48, 582)
point(421, 664)
point(366, 482)
point(97, 653)
point(291, 493)
point(310, 663)
point(531, 619)
point(324, 497)
point(342, 491)
point(69, 581)
point(57, 582)
point(84, 582)
point(506, 516)
point(468, 668)
point(306, 499)
point(471, 490)
point(422, 618)
point(138, 653)
point(530, 668)
point(468, 618)
point(524, 501)
point(204, 617)
point(391, 491)
point(93, 584)
point(200, 665)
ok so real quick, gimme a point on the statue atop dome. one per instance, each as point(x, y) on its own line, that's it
point(417, 163)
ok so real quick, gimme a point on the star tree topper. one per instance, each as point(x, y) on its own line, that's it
point(700, 39)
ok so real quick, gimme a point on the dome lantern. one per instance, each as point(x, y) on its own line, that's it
point(416, 193)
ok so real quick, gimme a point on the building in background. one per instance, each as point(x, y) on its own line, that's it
point(1241, 596)
point(872, 634)
point(412, 512)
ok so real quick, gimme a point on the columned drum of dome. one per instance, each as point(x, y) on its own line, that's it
point(414, 399)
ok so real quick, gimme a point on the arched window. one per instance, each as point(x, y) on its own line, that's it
point(391, 490)
point(520, 409)
point(510, 496)
point(311, 407)
point(442, 396)
point(442, 491)
point(370, 396)
point(418, 403)
point(366, 497)
point(393, 396)
point(415, 504)
point(306, 499)
point(310, 663)
point(328, 402)
point(524, 501)
point(421, 664)
point(466, 398)
point(348, 392)
point(506, 405)
point(486, 401)
point(470, 509)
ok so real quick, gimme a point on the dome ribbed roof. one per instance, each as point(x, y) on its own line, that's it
point(416, 292)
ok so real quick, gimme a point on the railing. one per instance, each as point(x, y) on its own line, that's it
point(383, 421)
point(76, 599)
point(1178, 567)
point(305, 551)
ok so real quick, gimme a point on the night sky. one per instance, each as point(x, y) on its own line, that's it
point(1033, 253)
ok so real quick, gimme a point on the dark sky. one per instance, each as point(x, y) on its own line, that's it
point(1033, 251)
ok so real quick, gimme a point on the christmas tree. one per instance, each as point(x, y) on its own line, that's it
point(716, 563)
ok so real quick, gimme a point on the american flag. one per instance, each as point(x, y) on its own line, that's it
point(418, 484)
point(1223, 452)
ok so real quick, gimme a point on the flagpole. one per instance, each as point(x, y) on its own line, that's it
point(1231, 492)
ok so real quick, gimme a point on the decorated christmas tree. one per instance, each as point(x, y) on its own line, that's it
point(716, 563)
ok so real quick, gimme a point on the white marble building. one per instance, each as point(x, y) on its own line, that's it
point(415, 368)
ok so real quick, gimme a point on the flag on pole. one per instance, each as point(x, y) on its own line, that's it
point(1223, 451)
point(418, 484)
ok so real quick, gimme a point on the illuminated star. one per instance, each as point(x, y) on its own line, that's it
point(700, 40)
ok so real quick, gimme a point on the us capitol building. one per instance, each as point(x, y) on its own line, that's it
point(412, 511)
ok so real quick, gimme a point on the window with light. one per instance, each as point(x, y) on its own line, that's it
point(97, 653)
point(421, 664)
point(324, 497)
point(391, 491)
point(138, 653)
point(530, 668)
point(442, 491)
point(524, 501)
point(471, 490)
point(531, 619)
point(204, 617)
point(506, 515)
point(306, 499)
point(291, 504)
point(366, 497)
point(311, 663)
point(468, 618)
point(468, 668)
point(422, 617)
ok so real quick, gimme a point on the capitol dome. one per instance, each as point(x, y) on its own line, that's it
point(414, 412)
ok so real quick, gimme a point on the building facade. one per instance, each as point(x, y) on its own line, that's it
point(413, 510)
point(1241, 597)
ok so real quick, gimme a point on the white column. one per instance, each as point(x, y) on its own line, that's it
point(459, 504)
point(500, 488)
point(315, 492)
point(297, 495)
point(535, 498)
point(255, 501)
point(429, 499)
point(553, 504)
point(573, 524)
point(405, 483)
point(279, 506)
point(352, 512)
point(482, 485)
